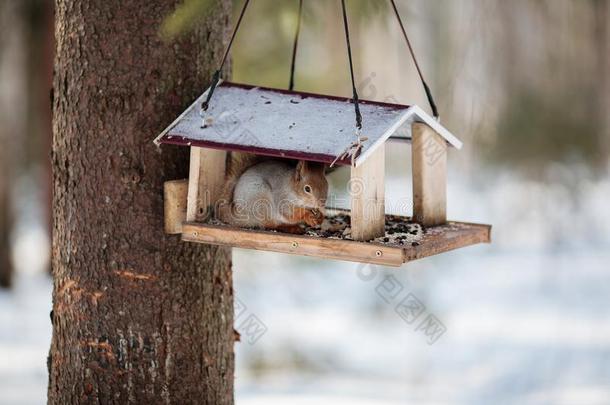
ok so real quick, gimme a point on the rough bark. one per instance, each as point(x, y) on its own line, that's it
point(138, 317)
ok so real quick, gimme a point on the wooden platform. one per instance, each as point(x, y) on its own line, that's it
point(403, 241)
point(453, 235)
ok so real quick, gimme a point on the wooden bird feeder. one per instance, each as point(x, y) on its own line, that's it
point(296, 125)
point(318, 128)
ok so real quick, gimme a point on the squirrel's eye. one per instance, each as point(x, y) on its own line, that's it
point(307, 189)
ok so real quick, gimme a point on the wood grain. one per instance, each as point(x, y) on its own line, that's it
point(429, 176)
point(206, 178)
point(293, 244)
point(453, 235)
point(174, 201)
point(367, 192)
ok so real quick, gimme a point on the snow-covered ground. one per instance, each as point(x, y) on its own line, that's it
point(522, 321)
point(25, 336)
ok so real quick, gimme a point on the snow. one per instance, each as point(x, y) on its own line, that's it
point(25, 335)
point(291, 125)
point(526, 318)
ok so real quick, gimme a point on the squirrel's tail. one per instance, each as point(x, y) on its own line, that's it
point(237, 164)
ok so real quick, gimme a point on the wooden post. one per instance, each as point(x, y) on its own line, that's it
point(429, 176)
point(174, 200)
point(206, 178)
point(367, 190)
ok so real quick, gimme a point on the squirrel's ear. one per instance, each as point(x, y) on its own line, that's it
point(320, 168)
point(300, 171)
point(314, 167)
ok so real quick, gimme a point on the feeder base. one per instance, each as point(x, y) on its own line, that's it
point(433, 241)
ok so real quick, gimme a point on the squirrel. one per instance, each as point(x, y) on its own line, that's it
point(273, 194)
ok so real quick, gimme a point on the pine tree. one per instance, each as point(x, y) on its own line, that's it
point(138, 317)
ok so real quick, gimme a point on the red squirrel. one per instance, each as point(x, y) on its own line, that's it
point(273, 194)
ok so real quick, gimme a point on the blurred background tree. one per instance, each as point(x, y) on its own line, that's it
point(12, 62)
point(553, 56)
point(26, 56)
point(525, 83)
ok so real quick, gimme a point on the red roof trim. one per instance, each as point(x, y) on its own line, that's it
point(287, 154)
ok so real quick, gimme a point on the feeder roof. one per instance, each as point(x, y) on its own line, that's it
point(293, 125)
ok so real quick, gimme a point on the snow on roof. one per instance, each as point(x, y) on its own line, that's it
point(292, 124)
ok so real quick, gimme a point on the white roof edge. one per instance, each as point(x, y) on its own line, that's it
point(435, 125)
point(417, 111)
point(197, 102)
point(386, 135)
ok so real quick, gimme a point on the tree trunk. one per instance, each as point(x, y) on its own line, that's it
point(138, 317)
point(12, 117)
point(601, 10)
point(40, 46)
point(6, 270)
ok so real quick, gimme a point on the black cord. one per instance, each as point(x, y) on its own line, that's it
point(295, 47)
point(421, 75)
point(216, 77)
point(351, 67)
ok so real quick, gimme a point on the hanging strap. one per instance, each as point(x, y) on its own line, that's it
point(216, 77)
point(351, 67)
point(354, 149)
point(295, 47)
point(421, 75)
